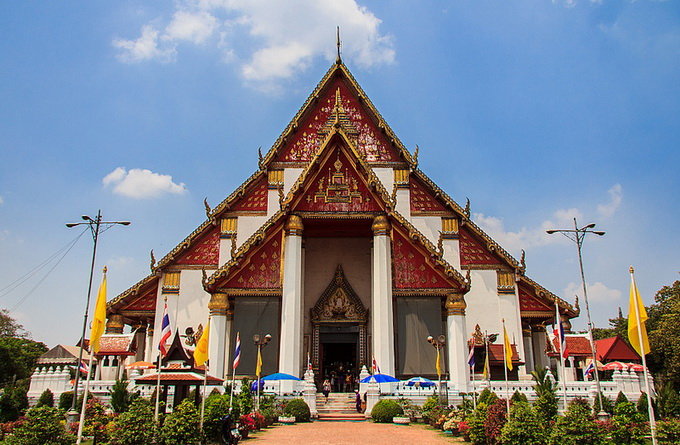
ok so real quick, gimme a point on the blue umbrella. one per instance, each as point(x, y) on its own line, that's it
point(378, 378)
point(424, 383)
point(280, 376)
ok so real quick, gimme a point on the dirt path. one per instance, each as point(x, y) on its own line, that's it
point(347, 433)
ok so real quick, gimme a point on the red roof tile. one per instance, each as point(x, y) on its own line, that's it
point(615, 349)
point(116, 345)
point(577, 346)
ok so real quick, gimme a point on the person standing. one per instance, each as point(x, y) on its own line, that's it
point(357, 400)
point(326, 388)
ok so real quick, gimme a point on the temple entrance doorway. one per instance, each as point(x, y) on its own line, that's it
point(339, 350)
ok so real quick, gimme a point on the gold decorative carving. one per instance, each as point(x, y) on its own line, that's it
point(171, 283)
point(294, 225)
point(219, 304)
point(207, 207)
point(152, 264)
point(381, 226)
point(455, 304)
point(339, 302)
point(338, 187)
point(228, 227)
point(506, 282)
point(450, 228)
point(115, 325)
point(275, 178)
point(401, 177)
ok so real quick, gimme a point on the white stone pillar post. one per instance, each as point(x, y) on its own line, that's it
point(290, 343)
point(309, 393)
point(530, 365)
point(372, 397)
point(456, 341)
point(219, 336)
point(148, 346)
point(382, 322)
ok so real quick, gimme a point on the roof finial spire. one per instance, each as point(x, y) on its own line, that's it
point(338, 44)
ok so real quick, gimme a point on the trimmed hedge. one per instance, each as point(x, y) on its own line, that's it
point(297, 408)
point(385, 410)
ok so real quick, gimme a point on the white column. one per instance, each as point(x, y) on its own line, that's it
point(290, 343)
point(528, 349)
point(219, 337)
point(148, 346)
point(382, 322)
point(456, 341)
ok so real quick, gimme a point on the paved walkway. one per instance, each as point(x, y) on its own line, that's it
point(349, 433)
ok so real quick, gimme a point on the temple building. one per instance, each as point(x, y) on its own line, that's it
point(343, 250)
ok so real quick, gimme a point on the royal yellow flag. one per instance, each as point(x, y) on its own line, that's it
point(637, 315)
point(258, 368)
point(438, 365)
point(99, 320)
point(507, 349)
point(201, 351)
point(487, 372)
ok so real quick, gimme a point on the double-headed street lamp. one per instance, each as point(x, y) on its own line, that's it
point(260, 341)
point(438, 343)
point(578, 235)
point(96, 226)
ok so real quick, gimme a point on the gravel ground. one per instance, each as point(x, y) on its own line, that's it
point(346, 433)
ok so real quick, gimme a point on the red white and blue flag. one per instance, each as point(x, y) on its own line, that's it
point(166, 332)
point(237, 351)
point(589, 369)
point(376, 368)
point(559, 333)
point(471, 357)
point(83, 367)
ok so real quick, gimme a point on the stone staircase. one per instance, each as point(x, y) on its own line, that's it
point(340, 406)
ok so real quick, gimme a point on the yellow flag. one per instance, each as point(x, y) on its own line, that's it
point(201, 351)
point(258, 368)
point(487, 372)
point(438, 365)
point(637, 315)
point(507, 349)
point(99, 320)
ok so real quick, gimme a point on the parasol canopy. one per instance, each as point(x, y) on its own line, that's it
point(620, 366)
point(140, 365)
point(378, 378)
point(280, 376)
point(419, 381)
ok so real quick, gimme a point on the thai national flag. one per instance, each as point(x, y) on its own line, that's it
point(589, 369)
point(237, 351)
point(471, 357)
point(166, 332)
point(83, 367)
point(376, 368)
point(559, 333)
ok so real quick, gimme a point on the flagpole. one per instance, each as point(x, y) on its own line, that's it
point(158, 368)
point(560, 340)
point(505, 368)
point(650, 408)
point(82, 410)
point(474, 390)
point(233, 386)
point(487, 365)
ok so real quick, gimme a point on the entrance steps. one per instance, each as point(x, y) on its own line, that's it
point(339, 406)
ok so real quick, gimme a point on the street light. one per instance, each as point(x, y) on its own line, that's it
point(578, 235)
point(260, 341)
point(95, 226)
point(438, 343)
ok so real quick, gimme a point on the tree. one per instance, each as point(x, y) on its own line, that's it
point(617, 326)
point(46, 399)
point(9, 327)
point(524, 427)
point(121, 398)
point(664, 336)
point(43, 425)
point(181, 427)
point(17, 357)
point(546, 403)
point(627, 424)
point(13, 401)
point(577, 427)
point(96, 421)
point(134, 426)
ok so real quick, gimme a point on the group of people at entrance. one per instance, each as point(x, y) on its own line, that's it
point(359, 402)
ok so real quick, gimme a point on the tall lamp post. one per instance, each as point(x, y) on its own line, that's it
point(260, 341)
point(96, 226)
point(577, 235)
point(438, 343)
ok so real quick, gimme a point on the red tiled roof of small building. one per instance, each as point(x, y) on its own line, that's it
point(578, 346)
point(177, 377)
point(116, 345)
point(615, 349)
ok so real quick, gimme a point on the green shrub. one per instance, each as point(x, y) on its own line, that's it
point(475, 423)
point(121, 398)
point(523, 427)
point(245, 398)
point(46, 399)
point(181, 427)
point(546, 408)
point(577, 427)
point(607, 405)
point(13, 401)
point(411, 410)
point(96, 421)
point(43, 425)
point(668, 432)
point(668, 401)
point(641, 407)
point(385, 410)
point(297, 408)
point(518, 397)
point(487, 397)
point(620, 398)
point(65, 400)
point(135, 426)
point(627, 424)
point(216, 407)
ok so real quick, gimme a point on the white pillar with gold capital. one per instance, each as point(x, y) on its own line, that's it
point(290, 348)
point(382, 322)
point(219, 334)
point(456, 341)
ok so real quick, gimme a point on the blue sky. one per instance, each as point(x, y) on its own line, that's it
point(536, 110)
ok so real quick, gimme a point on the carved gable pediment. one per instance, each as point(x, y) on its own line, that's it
point(339, 302)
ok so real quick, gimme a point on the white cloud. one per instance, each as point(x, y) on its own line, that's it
point(597, 292)
point(2, 200)
point(141, 183)
point(615, 198)
point(144, 48)
point(269, 41)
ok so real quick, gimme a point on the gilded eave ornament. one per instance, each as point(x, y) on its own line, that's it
point(152, 265)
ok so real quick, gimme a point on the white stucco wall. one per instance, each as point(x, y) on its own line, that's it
point(290, 175)
point(428, 226)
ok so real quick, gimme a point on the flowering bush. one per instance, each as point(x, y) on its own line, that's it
point(43, 425)
point(258, 419)
point(577, 427)
point(496, 416)
point(246, 424)
point(464, 429)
